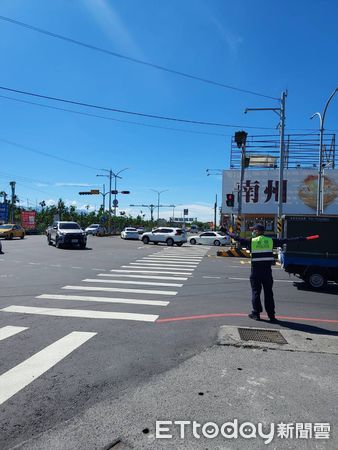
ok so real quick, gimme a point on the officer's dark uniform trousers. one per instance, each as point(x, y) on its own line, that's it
point(261, 277)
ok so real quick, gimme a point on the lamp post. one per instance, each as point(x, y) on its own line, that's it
point(110, 175)
point(214, 172)
point(325, 166)
point(320, 168)
point(158, 201)
point(281, 113)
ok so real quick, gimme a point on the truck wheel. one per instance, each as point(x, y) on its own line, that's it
point(316, 280)
point(57, 243)
point(49, 241)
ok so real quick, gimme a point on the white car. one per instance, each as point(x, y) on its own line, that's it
point(165, 235)
point(210, 238)
point(130, 233)
point(93, 229)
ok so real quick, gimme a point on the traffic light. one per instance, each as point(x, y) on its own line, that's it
point(240, 138)
point(114, 192)
point(230, 200)
point(94, 191)
point(85, 193)
point(125, 192)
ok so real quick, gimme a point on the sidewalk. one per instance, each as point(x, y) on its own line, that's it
point(224, 383)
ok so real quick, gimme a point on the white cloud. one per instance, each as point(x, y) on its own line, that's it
point(112, 25)
point(71, 184)
point(232, 40)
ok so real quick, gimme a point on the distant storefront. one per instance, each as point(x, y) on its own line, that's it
point(260, 195)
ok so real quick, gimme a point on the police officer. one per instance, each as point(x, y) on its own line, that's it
point(261, 274)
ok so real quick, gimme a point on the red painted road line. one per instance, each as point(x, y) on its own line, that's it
point(210, 316)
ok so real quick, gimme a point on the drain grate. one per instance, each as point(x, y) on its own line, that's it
point(270, 336)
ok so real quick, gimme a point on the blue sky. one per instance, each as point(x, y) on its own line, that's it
point(264, 46)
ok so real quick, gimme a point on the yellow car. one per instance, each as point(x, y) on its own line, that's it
point(10, 230)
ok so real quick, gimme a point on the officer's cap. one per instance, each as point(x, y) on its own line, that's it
point(258, 227)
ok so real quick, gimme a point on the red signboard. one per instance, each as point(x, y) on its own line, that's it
point(28, 219)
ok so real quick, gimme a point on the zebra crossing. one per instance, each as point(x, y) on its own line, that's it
point(150, 282)
point(159, 274)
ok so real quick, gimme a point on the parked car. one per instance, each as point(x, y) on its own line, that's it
point(130, 233)
point(210, 238)
point(140, 230)
point(169, 236)
point(66, 233)
point(10, 231)
point(93, 229)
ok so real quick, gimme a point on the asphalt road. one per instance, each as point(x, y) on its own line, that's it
point(86, 325)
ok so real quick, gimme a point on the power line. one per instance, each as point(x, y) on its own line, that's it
point(49, 155)
point(134, 113)
point(129, 58)
point(113, 119)
point(26, 179)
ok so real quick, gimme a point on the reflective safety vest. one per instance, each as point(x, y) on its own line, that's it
point(261, 249)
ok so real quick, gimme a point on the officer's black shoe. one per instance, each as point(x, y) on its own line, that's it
point(254, 316)
point(273, 319)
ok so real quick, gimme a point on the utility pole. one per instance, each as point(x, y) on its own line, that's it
point(281, 114)
point(281, 163)
point(215, 213)
point(12, 185)
point(320, 168)
point(158, 201)
point(110, 175)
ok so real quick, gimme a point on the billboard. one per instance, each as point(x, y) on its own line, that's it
point(28, 220)
point(260, 191)
point(4, 212)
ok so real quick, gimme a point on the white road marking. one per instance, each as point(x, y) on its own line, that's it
point(8, 331)
point(149, 271)
point(55, 265)
point(76, 267)
point(98, 270)
point(211, 277)
point(34, 264)
point(23, 374)
point(109, 289)
point(160, 265)
point(179, 258)
point(150, 277)
point(247, 279)
point(166, 258)
point(83, 313)
point(85, 298)
point(176, 263)
point(141, 283)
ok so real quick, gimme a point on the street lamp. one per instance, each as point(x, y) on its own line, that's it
point(281, 114)
point(158, 200)
point(320, 168)
point(110, 175)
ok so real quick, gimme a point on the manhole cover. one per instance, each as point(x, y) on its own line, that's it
point(270, 336)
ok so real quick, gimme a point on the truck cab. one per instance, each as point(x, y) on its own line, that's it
point(316, 261)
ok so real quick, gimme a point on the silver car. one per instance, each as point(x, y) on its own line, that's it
point(210, 238)
point(165, 235)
